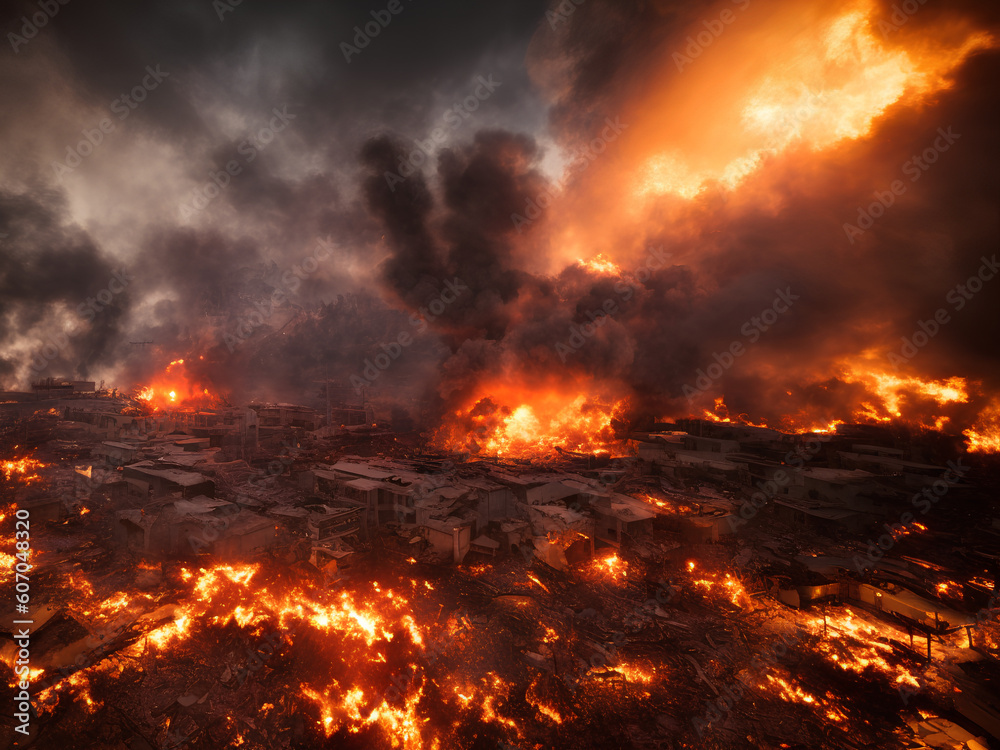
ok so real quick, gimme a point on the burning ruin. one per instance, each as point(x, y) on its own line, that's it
point(648, 401)
point(232, 577)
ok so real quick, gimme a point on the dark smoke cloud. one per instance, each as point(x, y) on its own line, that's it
point(200, 276)
point(48, 269)
point(782, 229)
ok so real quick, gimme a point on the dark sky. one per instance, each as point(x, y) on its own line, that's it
point(740, 136)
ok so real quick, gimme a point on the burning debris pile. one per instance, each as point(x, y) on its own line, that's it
point(230, 577)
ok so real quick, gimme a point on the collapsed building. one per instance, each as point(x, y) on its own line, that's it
point(215, 491)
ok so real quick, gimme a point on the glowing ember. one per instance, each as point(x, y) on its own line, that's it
point(21, 469)
point(855, 645)
point(669, 505)
point(7, 563)
point(610, 566)
point(727, 585)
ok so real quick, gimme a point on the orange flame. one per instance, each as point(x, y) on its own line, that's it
point(539, 423)
point(984, 435)
point(887, 398)
point(21, 469)
point(174, 388)
point(819, 86)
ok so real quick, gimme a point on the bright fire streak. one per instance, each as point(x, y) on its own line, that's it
point(891, 389)
point(822, 86)
point(534, 579)
point(856, 646)
point(888, 396)
point(23, 469)
point(602, 265)
point(984, 435)
point(789, 692)
point(829, 429)
point(720, 413)
point(540, 705)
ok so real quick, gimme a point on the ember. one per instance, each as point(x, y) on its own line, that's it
point(24, 470)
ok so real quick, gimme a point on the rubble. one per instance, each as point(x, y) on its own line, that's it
point(637, 600)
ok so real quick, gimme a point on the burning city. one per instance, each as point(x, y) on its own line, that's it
point(654, 402)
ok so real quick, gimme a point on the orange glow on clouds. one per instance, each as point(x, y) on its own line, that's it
point(820, 81)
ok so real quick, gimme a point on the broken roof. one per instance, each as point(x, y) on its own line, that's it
point(838, 476)
point(177, 476)
point(360, 470)
point(365, 485)
point(829, 513)
point(122, 446)
point(628, 511)
point(549, 492)
point(199, 504)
